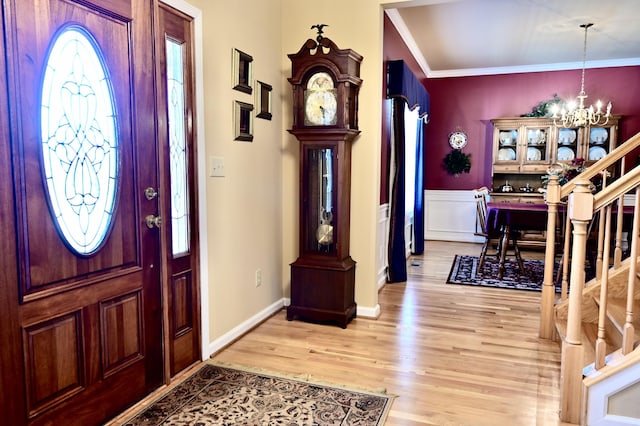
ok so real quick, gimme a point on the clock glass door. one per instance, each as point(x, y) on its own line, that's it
point(319, 235)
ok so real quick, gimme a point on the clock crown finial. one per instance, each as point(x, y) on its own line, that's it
point(319, 28)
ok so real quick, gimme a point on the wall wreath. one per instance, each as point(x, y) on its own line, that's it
point(457, 162)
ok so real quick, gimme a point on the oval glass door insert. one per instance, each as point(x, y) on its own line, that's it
point(79, 140)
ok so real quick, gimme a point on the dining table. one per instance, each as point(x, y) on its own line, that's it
point(510, 219)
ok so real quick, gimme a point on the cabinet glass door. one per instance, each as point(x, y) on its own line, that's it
point(537, 145)
point(508, 145)
point(598, 143)
point(568, 142)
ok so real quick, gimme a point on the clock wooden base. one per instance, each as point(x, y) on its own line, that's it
point(323, 292)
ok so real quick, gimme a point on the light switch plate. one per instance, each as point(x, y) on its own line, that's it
point(216, 166)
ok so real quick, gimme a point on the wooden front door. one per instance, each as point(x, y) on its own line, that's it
point(80, 284)
point(178, 183)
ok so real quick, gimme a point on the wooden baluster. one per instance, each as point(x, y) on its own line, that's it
point(617, 253)
point(628, 330)
point(565, 259)
point(601, 225)
point(547, 302)
point(601, 345)
point(600, 251)
point(580, 210)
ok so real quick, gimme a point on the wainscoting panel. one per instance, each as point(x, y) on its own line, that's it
point(382, 242)
point(450, 216)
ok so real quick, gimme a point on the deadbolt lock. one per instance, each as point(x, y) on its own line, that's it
point(153, 221)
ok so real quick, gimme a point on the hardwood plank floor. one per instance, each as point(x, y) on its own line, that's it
point(453, 355)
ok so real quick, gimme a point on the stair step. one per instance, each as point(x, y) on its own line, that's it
point(588, 337)
point(617, 313)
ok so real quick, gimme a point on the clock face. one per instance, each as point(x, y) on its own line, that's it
point(458, 140)
point(320, 101)
point(320, 108)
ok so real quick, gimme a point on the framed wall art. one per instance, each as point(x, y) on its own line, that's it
point(242, 71)
point(243, 121)
point(263, 94)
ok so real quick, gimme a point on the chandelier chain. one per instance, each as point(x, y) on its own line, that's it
point(584, 54)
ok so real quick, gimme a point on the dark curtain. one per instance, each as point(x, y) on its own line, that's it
point(397, 270)
point(418, 208)
point(403, 86)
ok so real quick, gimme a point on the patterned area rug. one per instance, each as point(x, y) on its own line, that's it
point(216, 395)
point(465, 271)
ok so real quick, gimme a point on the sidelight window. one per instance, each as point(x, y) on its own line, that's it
point(177, 148)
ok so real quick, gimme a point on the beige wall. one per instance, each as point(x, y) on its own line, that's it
point(252, 213)
point(244, 208)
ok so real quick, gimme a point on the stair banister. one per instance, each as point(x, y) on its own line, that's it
point(622, 185)
point(605, 162)
point(581, 207)
point(546, 329)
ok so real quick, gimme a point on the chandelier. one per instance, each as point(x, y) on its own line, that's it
point(576, 114)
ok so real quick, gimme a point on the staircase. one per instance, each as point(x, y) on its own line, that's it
point(596, 317)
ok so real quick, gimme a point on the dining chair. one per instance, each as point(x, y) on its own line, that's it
point(491, 235)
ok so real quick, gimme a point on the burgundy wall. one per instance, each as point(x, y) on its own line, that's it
point(394, 48)
point(469, 103)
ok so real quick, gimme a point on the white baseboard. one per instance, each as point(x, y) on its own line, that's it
point(368, 312)
point(450, 216)
point(242, 329)
point(361, 311)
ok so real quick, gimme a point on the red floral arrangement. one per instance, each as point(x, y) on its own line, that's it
point(565, 172)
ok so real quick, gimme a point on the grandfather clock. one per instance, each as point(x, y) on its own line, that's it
point(325, 81)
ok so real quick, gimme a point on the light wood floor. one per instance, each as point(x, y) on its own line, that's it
point(453, 355)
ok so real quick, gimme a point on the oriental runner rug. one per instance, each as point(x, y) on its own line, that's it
point(216, 395)
point(464, 270)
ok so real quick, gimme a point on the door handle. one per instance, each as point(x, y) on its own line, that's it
point(150, 193)
point(153, 221)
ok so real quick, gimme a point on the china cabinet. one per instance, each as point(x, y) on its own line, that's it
point(523, 149)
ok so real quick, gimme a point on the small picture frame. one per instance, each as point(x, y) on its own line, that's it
point(243, 121)
point(242, 71)
point(263, 93)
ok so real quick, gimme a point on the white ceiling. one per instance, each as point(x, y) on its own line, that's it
point(451, 38)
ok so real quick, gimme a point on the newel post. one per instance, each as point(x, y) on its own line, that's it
point(580, 210)
point(547, 303)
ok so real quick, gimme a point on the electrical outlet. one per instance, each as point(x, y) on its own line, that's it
point(258, 277)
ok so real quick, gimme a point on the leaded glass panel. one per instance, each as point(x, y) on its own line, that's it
point(79, 140)
point(180, 238)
